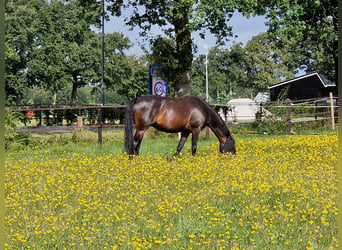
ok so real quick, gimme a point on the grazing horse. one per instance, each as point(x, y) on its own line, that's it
point(187, 115)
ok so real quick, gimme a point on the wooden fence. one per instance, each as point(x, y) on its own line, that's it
point(306, 111)
point(76, 117)
point(112, 116)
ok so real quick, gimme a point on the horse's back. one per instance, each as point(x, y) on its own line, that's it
point(169, 114)
point(183, 104)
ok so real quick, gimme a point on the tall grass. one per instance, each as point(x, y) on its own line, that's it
point(277, 193)
point(154, 142)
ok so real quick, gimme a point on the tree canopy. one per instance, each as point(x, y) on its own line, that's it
point(179, 19)
point(267, 64)
point(242, 70)
point(309, 26)
point(49, 44)
point(313, 26)
point(20, 29)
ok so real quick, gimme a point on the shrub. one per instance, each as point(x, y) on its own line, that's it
point(270, 126)
point(14, 140)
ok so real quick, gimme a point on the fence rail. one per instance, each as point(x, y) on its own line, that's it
point(97, 117)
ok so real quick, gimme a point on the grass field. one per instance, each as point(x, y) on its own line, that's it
point(276, 193)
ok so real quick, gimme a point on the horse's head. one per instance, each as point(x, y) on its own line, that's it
point(228, 147)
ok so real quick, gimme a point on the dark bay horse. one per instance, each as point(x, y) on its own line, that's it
point(187, 115)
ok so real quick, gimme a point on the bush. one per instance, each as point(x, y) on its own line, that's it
point(14, 140)
point(270, 126)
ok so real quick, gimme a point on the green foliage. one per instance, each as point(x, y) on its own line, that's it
point(223, 97)
point(14, 140)
point(270, 126)
point(302, 109)
point(267, 64)
point(226, 72)
point(242, 71)
point(20, 33)
point(11, 120)
point(135, 83)
point(163, 53)
point(198, 76)
point(51, 48)
point(51, 52)
point(64, 51)
point(312, 25)
point(272, 111)
point(179, 19)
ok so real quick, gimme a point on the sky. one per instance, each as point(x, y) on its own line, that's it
point(244, 28)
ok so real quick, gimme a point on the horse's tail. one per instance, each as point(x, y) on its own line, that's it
point(128, 145)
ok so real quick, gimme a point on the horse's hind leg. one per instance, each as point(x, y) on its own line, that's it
point(184, 137)
point(139, 134)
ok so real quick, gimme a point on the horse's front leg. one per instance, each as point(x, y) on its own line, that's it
point(195, 135)
point(182, 140)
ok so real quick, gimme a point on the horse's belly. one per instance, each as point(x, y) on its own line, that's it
point(170, 126)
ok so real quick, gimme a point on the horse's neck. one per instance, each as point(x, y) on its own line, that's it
point(216, 124)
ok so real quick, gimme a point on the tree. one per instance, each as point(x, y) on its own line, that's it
point(217, 72)
point(180, 19)
point(313, 25)
point(226, 70)
point(232, 63)
point(49, 44)
point(63, 51)
point(20, 32)
point(136, 82)
point(40, 39)
point(267, 64)
point(117, 66)
point(163, 53)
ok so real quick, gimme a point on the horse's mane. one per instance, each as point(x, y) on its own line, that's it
point(213, 111)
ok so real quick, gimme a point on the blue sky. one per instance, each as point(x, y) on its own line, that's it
point(244, 28)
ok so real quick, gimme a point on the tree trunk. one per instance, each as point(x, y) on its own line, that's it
point(183, 75)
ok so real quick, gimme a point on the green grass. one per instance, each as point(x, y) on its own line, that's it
point(154, 142)
point(279, 192)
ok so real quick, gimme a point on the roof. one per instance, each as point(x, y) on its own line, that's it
point(312, 85)
point(313, 76)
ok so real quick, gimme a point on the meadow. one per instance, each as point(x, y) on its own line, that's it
point(277, 193)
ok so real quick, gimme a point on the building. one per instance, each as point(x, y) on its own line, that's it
point(308, 86)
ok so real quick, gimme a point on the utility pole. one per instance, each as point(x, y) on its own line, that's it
point(100, 111)
point(206, 86)
point(206, 74)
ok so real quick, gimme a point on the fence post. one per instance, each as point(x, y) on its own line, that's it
point(258, 114)
point(79, 123)
point(288, 116)
point(332, 111)
point(207, 136)
point(99, 123)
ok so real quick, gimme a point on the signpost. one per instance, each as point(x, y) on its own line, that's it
point(156, 86)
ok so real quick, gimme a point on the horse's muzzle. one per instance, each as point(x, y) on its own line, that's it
point(229, 147)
